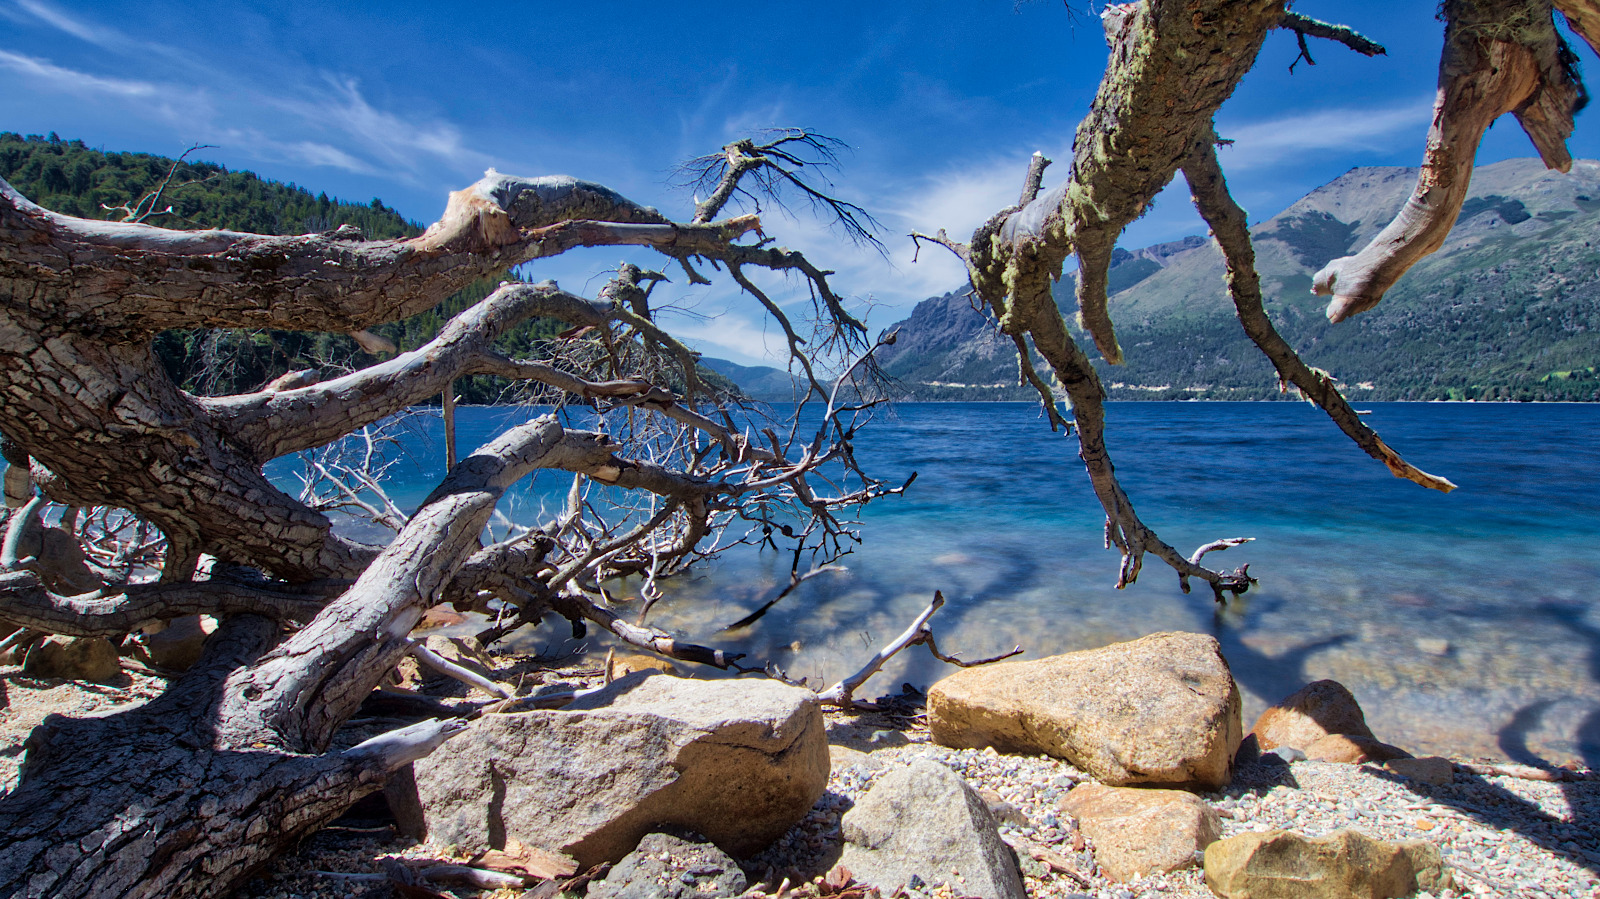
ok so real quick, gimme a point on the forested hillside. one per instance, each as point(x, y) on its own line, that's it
point(1508, 309)
point(70, 177)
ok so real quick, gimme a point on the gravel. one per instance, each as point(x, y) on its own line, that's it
point(1501, 835)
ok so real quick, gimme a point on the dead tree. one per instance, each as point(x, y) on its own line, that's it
point(1172, 66)
point(187, 795)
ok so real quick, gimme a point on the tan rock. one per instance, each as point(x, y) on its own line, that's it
point(624, 664)
point(464, 651)
point(1342, 865)
point(1139, 831)
point(1309, 714)
point(74, 658)
point(1428, 769)
point(739, 761)
point(1161, 710)
point(1352, 750)
point(175, 647)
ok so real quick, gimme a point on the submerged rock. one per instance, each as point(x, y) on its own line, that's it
point(1159, 710)
point(1342, 865)
point(1139, 831)
point(924, 821)
point(739, 761)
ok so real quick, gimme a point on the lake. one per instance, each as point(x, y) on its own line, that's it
point(1466, 624)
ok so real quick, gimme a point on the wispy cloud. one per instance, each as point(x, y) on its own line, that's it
point(95, 34)
point(1292, 138)
point(71, 80)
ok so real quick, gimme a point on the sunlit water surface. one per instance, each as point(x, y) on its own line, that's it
point(1466, 624)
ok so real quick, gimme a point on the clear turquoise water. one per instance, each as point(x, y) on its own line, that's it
point(1360, 573)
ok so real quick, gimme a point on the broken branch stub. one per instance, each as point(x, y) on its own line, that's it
point(1500, 56)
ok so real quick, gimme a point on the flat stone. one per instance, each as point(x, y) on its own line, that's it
point(1352, 750)
point(924, 821)
point(1428, 769)
point(1138, 831)
point(668, 867)
point(1163, 709)
point(1309, 714)
point(1345, 864)
point(739, 761)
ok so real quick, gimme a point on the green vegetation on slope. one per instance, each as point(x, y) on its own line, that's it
point(1508, 309)
point(69, 177)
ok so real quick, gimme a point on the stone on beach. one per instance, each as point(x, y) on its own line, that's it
point(739, 761)
point(1139, 831)
point(74, 658)
point(174, 647)
point(923, 820)
point(668, 867)
point(1309, 714)
point(1352, 750)
point(1428, 769)
point(1345, 864)
point(1163, 709)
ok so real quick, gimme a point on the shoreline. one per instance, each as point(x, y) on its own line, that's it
point(1501, 835)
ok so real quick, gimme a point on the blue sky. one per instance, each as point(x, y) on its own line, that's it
point(942, 102)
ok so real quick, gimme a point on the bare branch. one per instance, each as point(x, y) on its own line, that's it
point(25, 601)
point(774, 160)
point(1230, 227)
point(1305, 26)
point(145, 206)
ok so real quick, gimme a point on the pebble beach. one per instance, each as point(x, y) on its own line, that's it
point(1501, 836)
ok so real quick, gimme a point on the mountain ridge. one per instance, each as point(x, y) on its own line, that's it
point(1509, 308)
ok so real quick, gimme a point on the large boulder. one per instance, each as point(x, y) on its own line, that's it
point(924, 821)
point(1159, 710)
point(1309, 714)
point(1345, 864)
point(668, 867)
point(1140, 831)
point(739, 761)
point(74, 658)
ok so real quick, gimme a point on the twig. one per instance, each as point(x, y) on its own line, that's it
point(446, 667)
point(795, 580)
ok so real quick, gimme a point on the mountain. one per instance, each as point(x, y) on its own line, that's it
point(1509, 308)
point(758, 382)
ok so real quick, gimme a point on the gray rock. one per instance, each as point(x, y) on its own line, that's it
point(740, 761)
point(923, 820)
point(1161, 710)
point(666, 867)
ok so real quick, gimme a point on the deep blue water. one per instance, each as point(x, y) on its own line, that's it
point(1466, 623)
